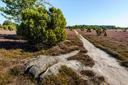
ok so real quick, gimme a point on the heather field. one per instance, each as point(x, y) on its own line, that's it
point(51, 42)
point(115, 42)
point(14, 52)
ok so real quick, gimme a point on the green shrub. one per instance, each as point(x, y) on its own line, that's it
point(40, 26)
point(8, 25)
point(82, 29)
point(50, 37)
point(1, 27)
point(34, 23)
point(57, 19)
point(60, 34)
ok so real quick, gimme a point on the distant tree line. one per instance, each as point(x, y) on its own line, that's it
point(100, 29)
point(94, 27)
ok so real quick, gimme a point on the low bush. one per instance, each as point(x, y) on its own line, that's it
point(8, 25)
point(5, 79)
point(0, 26)
point(42, 27)
point(66, 76)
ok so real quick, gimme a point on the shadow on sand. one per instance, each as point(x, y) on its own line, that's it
point(9, 42)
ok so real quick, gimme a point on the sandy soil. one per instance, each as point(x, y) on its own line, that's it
point(6, 32)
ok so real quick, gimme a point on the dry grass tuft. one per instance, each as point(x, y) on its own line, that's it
point(83, 58)
point(66, 77)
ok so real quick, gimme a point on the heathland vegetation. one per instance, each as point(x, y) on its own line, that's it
point(44, 29)
point(35, 28)
point(115, 43)
point(8, 25)
point(100, 29)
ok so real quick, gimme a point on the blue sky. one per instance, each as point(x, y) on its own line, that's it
point(93, 12)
